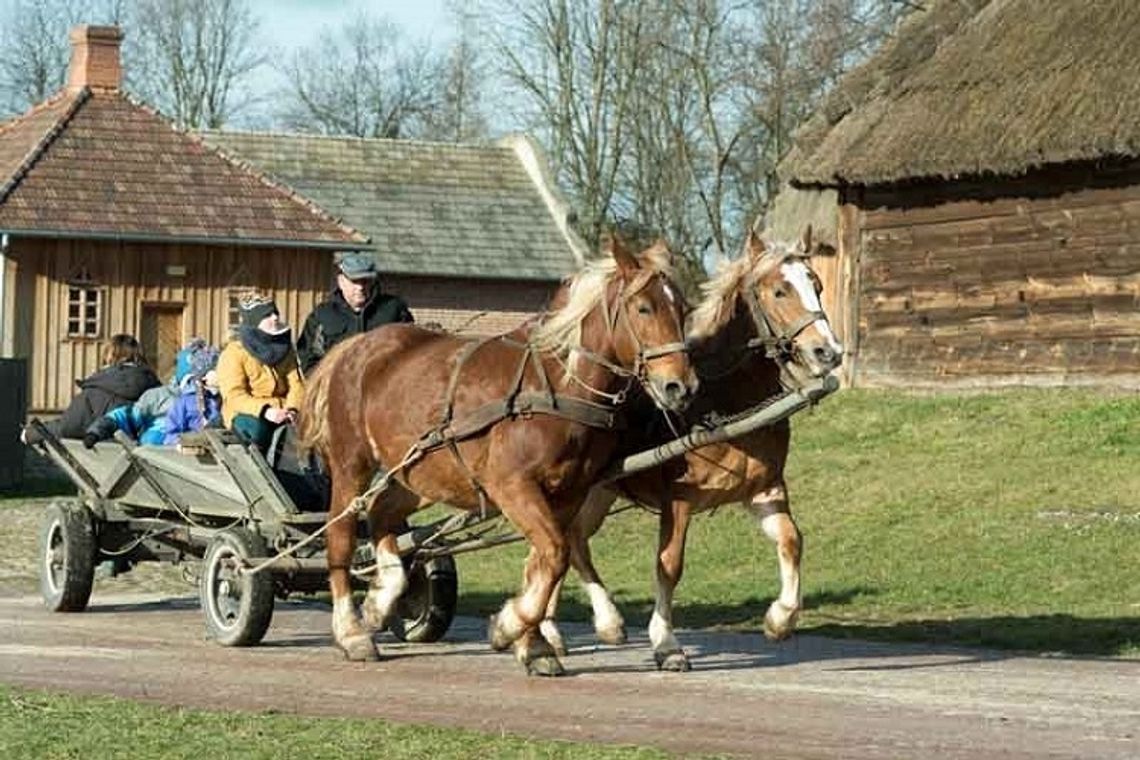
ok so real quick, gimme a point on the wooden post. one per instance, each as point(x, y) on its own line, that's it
point(848, 287)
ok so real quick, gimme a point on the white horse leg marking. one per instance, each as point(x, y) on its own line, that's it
point(506, 626)
point(345, 623)
point(771, 507)
point(661, 624)
point(608, 622)
point(386, 589)
point(548, 628)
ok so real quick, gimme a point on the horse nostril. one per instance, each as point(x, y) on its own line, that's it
point(674, 390)
point(825, 355)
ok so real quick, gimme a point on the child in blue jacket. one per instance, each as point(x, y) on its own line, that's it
point(200, 403)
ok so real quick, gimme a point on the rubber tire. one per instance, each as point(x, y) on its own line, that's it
point(254, 593)
point(426, 609)
point(69, 525)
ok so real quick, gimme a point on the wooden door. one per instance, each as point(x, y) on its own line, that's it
point(160, 332)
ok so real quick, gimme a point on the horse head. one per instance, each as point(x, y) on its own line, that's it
point(782, 294)
point(647, 318)
point(623, 314)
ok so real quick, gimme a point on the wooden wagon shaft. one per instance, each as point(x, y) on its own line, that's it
point(423, 538)
point(781, 409)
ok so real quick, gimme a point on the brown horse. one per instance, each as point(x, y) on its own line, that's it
point(399, 388)
point(760, 318)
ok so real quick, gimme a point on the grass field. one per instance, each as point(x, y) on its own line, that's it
point(1006, 519)
point(40, 726)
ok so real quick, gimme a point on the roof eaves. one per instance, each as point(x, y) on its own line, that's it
point(262, 177)
point(156, 237)
point(42, 144)
point(534, 163)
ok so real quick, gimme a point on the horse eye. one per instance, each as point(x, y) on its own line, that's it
point(644, 309)
point(780, 293)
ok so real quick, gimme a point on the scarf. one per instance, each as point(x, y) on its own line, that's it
point(267, 349)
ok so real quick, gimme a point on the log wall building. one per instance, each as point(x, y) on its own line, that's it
point(985, 188)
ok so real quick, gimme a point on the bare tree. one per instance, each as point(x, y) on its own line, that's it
point(673, 115)
point(459, 115)
point(37, 50)
point(194, 58)
point(574, 66)
point(362, 80)
point(802, 48)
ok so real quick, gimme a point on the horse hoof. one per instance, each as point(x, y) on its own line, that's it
point(547, 665)
point(613, 636)
point(499, 642)
point(359, 649)
point(779, 622)
point(672, 662)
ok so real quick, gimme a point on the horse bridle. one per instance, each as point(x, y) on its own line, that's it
point(618, 311)
point(778, 345)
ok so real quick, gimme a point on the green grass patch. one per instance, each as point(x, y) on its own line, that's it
point(1008, 519)
point(40, 725)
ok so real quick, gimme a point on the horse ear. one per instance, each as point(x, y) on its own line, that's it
point(658, 254)
point(805, 242)
point(625, 259)
point(754, 245)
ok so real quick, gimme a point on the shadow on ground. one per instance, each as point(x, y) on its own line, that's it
point(1063, 634)
point(1046, 633)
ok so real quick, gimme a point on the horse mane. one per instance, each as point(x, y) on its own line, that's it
point(312, 425)
point(719, 292)
point(560, 332)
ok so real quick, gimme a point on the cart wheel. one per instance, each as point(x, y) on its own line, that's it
point(426, 609)
point(237, 608)
point(67, 556)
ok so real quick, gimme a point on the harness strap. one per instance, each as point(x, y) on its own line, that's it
point(449, 431)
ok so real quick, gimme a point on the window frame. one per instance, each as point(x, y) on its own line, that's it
point(84, 295)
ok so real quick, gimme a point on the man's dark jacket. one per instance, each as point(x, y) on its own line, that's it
point(334, 320)
point(107, 389)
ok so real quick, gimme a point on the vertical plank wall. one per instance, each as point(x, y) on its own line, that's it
point(134, 274)
point(1028, 281)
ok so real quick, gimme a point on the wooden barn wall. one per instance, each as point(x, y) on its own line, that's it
point(133, 275)
point(1034, 281)
point(473, 307)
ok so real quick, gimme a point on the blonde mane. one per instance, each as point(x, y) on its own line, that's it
point(719, 292)
point(561, 331)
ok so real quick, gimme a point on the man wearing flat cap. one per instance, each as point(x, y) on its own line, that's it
point(355, 306)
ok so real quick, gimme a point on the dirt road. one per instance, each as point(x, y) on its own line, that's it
point(808, 698)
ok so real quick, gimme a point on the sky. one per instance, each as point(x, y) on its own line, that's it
point(291, 24)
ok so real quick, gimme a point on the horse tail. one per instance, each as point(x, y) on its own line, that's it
point(313, 425)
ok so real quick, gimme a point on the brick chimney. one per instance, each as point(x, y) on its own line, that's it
point(95, 58)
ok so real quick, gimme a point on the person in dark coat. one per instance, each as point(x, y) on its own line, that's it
point(121, 382)
point(355, 306)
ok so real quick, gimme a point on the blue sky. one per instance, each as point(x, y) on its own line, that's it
point(289, 24)
point(292, 23)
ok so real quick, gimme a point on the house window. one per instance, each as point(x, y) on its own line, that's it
point(233, 309)
point(84, 310)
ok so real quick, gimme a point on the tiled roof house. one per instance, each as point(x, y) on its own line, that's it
point(472, 236)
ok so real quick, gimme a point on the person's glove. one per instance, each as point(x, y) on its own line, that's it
point(101, 429)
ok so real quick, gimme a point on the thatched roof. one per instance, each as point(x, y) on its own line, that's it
point(975, 87)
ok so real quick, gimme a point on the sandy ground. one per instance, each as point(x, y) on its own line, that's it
point(807, 698)
point(811, 697)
